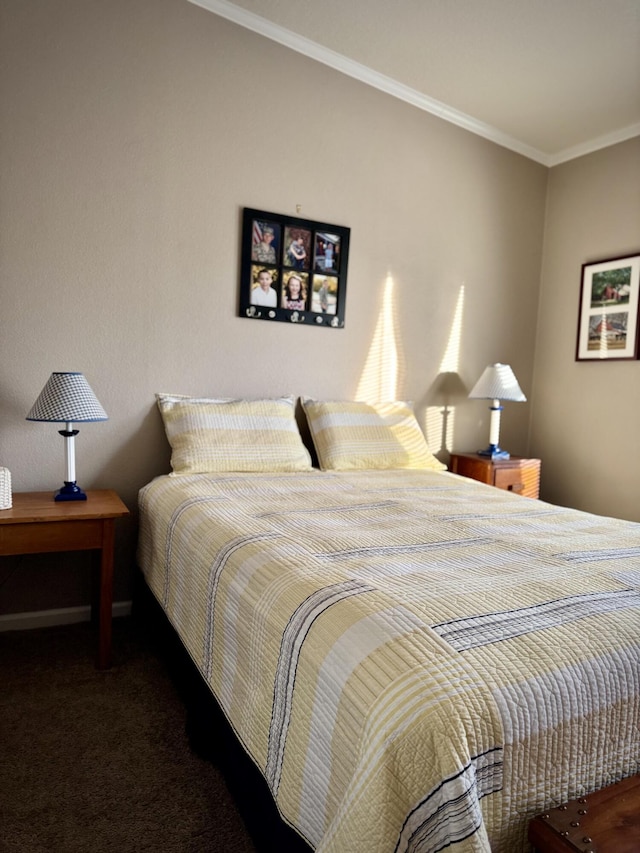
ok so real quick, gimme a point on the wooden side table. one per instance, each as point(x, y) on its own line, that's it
point(516, 474)
point(37, 524)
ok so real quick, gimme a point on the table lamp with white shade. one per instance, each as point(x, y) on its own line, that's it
point(67, 398)
point(497, 383)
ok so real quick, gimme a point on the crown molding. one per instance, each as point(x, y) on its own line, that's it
point(319, 53)
point(595, 144)
point(313, 50)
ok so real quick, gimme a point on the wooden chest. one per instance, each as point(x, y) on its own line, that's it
point(607, 821)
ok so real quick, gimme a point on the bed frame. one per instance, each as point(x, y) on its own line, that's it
point(210, 735)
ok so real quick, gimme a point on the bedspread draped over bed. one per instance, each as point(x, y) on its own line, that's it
point(414, 660)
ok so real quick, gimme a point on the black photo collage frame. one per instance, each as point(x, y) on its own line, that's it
point(293, 270)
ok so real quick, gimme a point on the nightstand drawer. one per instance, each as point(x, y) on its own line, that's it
point(517, 474)
point(524, 479)
point(45, 536)
point(510, 479)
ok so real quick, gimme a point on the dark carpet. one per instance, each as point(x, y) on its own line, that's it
point(137, 758)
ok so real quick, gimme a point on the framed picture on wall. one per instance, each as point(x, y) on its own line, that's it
point(608, 316)
point(293, 270)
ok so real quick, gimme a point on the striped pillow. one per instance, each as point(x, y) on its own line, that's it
point(367, 435)
point(211, 436)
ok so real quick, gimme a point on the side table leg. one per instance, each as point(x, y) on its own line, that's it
point(106, 594)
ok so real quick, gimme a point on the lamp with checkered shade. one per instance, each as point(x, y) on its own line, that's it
point(67, 398)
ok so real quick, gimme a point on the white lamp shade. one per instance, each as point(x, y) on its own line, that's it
point(498, 382)
point(67, 398)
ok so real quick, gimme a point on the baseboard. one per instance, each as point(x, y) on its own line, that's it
point(60, 616)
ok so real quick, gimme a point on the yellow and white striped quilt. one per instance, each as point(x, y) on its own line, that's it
point(415, 661)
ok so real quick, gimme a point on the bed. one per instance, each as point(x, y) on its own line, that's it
point(413, 660)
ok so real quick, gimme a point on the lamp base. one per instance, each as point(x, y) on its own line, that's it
point(70, 492)
point(495, 452)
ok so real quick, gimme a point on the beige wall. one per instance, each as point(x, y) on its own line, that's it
point(134, 131)
point(586, 414)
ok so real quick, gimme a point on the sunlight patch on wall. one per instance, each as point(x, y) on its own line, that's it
point(381, 374)
point(447, 388)
point(451, 359)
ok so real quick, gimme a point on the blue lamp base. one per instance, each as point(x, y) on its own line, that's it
point(495, 452)
point(70, 492)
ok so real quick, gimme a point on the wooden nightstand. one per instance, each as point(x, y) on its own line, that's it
point(516, 474)
point(37, 524)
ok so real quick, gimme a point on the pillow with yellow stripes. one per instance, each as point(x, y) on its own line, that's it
point(212, 435)
point(353, 435)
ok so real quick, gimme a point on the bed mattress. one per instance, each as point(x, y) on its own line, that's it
point(414, 661)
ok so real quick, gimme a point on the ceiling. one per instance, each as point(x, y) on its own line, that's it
point(551, 79)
